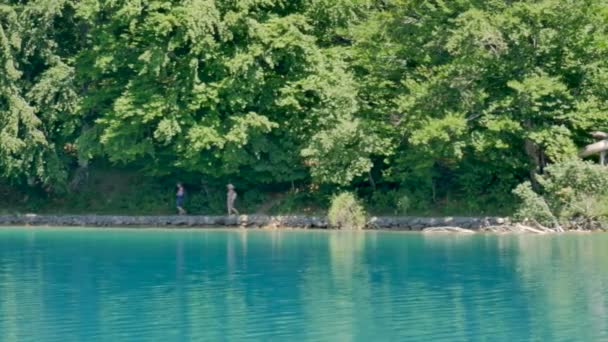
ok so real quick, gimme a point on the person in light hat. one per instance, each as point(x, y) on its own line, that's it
point(231, 197)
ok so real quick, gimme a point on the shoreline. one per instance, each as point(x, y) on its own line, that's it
point(447, 224)
point(402, 223)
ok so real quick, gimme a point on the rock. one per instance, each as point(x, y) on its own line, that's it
point(253, 221)
point(417, 227)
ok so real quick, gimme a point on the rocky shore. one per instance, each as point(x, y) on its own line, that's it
point(244, 221)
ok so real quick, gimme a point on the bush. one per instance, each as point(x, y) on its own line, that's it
point(533, 206)
point(389, 202)
point(403, 204)
point(573, 193)
point(304, 202)
point(346, 212)
point(250, 200)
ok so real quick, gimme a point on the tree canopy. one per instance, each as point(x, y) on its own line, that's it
point(434, 99)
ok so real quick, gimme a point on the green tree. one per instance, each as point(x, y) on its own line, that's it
point(39, 102)
point(217, 88)
point(476, 93)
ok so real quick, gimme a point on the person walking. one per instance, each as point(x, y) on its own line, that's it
point(179, 198)
point(230, 198)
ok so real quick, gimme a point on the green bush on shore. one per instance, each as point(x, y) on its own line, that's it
point(573, 194)
point(346, 212)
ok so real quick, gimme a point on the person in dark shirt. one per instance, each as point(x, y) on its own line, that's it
point(179, 198)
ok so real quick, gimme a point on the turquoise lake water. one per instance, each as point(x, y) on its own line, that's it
point(219, 285)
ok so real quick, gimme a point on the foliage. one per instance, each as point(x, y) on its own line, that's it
point(390, 202)
point(572, 192)
point(301, 202)
point(342, 153)
point(455, 103)
point(533, 206)
point(346, 212)
point(39, 105)
point(504, 86)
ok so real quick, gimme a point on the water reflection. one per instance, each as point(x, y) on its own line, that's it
point(226, 285)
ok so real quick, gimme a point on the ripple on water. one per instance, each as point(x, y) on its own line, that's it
point(174, 286)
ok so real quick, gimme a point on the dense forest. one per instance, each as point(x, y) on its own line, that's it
point(417, 106)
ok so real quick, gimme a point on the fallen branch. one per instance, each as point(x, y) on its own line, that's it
point(558, 228)
point(447, 230)
point(529, 229)
point(519, 228)
point(599, 135)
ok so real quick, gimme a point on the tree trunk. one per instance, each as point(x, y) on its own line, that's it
point(371, 180)
point(81, 175)
point(542, 161)
point(534, 154)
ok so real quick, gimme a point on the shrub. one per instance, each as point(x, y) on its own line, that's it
point(533, 206)
point(403, 204)
point(250, 200)
point(389, 202)
point(302, 202)
point(346, 212)
point(573, 193)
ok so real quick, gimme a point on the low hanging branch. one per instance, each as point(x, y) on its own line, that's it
point(600, 147)
point(595, 148)
point(599, 135)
